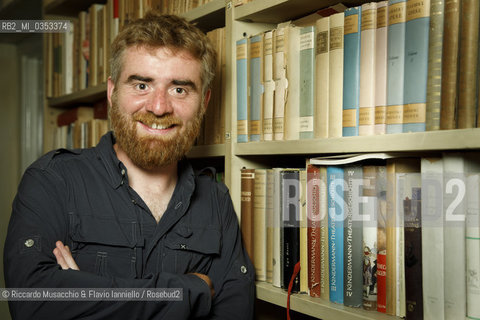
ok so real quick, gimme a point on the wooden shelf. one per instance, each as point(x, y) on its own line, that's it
point(208, 16)
point(207, 151)
point(68, 7)
point(461, 139)
point(87, 96)
point(315, 307)
point(276, 11)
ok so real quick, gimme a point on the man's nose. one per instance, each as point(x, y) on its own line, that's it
point(159, 103)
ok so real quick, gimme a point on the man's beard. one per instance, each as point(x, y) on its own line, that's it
point(148, 151)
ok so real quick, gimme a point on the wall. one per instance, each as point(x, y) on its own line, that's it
point(9, 144)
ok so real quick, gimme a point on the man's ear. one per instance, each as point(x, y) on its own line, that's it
point(206, 98)
point(110, 87)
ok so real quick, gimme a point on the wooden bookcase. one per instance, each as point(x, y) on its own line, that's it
point(245, 20)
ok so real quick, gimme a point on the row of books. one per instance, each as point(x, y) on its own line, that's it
point(213, 131)
point(79, 58)
point(382, 67)
point(82, 126)
point(388, 232)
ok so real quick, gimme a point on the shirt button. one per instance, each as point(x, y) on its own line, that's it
point(243, 269)
point(123, 172)
point(29, 243)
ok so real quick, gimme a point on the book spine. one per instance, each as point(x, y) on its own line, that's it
point(381, 41)
point(324, 253)
point(335, 232)
point(352, 243)
point(290, 227)
point(269, 86)
point(416, 65)
point(454, 236)
point(292, 97)
point(242, 91)
point(468, 62)
point(303, 232)
point(256, 85)
point(432, 239)
point(321, 78)
point(351, 71)
point(335, 71)
point(279, 74)
point(260, 225)
point(314, 229)
point(269, 214)
point(370, 243)
point(307, 81)
point(277, 270)
point(247, 202)
point(451, 32)
point(396, 64)
point(413, 253)
point(434, 81)
point(408, 264)
point(381, 194)
point(366, 122)
point(473, 245)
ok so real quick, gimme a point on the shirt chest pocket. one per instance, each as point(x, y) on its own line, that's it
point(190, 249)
point(101, 247)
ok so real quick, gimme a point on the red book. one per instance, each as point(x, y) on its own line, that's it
point(382, 281)
point(71, 115)
point(100, 109)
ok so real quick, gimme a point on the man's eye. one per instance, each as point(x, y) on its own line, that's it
point(142, 86)
point(179, 90)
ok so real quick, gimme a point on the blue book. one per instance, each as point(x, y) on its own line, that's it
point(256, 85)
point(307, 81)
point(351, 71)
point(416, 66)
point(395, 64)
point(335, 198)
point(242, 91)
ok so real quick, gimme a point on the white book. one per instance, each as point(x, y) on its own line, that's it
point(279, 74)
point(260, 224)
point(321, 73)
point(68, 61)
point(292, 106)
point(473, 235)
point(454, 236)
point(432, 239)
point(335, 104)
point(269, 86)
point(367, 70)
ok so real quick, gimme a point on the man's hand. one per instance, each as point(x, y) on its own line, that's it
point(207, 280)
point(64, 257)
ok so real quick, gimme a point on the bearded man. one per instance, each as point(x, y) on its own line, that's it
point(131, 212)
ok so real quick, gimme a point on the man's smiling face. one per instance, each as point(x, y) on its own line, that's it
point(157, 105)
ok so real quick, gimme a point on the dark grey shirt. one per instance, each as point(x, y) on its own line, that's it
point(83, 198)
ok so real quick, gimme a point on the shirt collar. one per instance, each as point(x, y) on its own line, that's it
point(112, 164)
